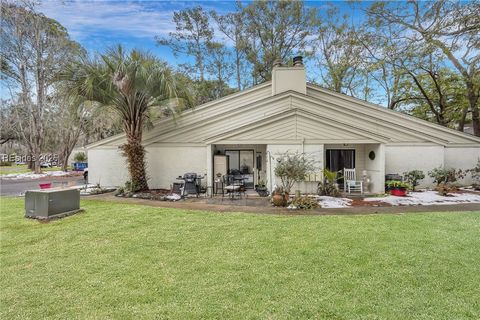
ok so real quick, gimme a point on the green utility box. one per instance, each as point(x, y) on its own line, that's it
point(51, 203)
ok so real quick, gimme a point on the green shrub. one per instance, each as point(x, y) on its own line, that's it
point(98, 190)
point(444, 189)
point(80, 157)
point(6, 163)
point(475, 172)
point(397, 184)
point(120, 191)
point(305, 203)
point(446, 175)
point(329, 186)
point(413, 177)
point(131, 187)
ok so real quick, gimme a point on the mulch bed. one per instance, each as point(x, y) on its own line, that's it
point(159, 192)
point(152, 194)
point(361, 203)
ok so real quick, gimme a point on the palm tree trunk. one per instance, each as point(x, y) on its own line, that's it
point(135, 153)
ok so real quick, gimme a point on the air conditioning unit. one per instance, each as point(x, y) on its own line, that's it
point(51, 203)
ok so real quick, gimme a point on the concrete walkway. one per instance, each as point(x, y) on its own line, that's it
point(236, 206)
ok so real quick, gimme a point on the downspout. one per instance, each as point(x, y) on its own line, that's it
point(270, 170)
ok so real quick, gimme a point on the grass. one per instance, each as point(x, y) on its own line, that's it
point(131, 262)
point(22, 168)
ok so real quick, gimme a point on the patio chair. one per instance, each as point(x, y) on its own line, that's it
point(350, 182)
point(231, 186)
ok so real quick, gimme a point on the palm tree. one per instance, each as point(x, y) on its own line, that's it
point(134, 84)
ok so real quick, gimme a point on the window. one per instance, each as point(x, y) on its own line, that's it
point(338, 159)
point(240, 160)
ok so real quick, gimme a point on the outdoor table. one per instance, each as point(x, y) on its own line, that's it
point(240, 182)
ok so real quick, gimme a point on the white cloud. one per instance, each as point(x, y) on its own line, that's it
point(119, 18)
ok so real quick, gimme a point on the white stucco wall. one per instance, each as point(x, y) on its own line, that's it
point(375, 168)
point(166, 163)
point(107, 167)
point(462, 158)
point(405, 158)
point(399, 159)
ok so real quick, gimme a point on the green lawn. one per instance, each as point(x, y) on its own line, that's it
point(130, 262)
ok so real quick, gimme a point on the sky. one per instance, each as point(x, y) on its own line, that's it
point(97, 25)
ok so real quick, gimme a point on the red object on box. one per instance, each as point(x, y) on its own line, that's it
point(45, 185)
point(398, 192)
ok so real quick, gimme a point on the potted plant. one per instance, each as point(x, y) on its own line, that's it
point(261, 188)
point(329, 185)
point(279, 197)
point(398, 188)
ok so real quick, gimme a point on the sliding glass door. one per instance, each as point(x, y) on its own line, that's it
point(339, 159)
point(242, 162)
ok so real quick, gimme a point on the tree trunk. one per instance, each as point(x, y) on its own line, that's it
point(237, 63)
point(65, 164)
point(65, 154)
point(135, 154)
point(30, 163)
point(461, 124)
point(36, 163)
point(476, 122)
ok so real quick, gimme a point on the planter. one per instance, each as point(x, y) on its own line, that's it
point(279, 200)
point(399, 192)
point(262, 191)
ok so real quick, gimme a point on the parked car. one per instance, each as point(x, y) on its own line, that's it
point(45, 165)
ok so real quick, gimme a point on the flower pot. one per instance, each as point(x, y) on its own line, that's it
point(45, 185)
point(278, 200)
point(399, 192)
point(262, 191)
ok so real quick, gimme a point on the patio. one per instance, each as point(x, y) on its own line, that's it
point(257, 162)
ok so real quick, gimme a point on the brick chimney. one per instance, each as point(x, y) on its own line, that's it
point(289, 78)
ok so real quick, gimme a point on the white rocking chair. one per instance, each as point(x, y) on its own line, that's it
point(350, 182)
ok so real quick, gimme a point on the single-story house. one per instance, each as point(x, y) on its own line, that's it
point(254, 126)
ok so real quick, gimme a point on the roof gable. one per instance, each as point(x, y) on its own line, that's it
point(320, 115)
point(293, 124)
point(385, 115)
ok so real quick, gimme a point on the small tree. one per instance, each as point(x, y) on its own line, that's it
point(413, 177)
point(293, 168)
point(80, 157)
point(443, 175)
point(134, 85)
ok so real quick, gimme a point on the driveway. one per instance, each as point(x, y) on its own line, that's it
point(18, 187)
